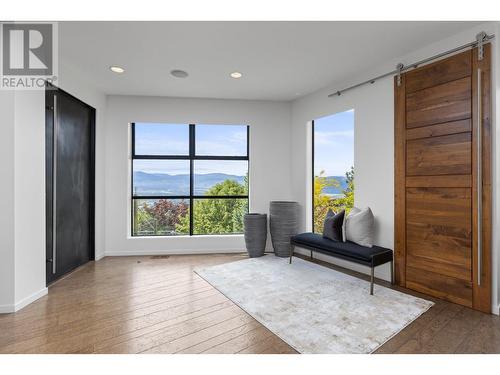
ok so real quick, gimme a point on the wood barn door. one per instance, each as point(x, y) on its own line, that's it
point(442, 192)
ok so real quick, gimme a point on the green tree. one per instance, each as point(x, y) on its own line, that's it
point(159, 217)
point(347, 201)
point(323, 203)
point(219, 216)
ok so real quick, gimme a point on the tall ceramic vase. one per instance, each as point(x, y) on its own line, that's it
point(283, 223)
point(255, 234)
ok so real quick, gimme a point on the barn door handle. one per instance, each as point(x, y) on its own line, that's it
point(479, 178)
point(54, 184)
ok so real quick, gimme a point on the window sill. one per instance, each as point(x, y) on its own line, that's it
point(205, 236)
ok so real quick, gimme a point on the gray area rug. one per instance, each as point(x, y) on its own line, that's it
point(313, 308)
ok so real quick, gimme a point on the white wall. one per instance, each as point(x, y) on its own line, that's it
point(29, 196)
point(22, 217)
point(374, 145)
point(269, 174)
point(373, 156)
point(7, 202)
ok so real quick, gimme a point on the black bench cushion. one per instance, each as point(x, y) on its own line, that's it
point(347, 250)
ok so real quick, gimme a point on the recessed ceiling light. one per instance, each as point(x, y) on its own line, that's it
point(116, 69)
point(179, 73)
point(236, 75)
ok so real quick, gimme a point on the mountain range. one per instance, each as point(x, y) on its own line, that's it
point(166, 184)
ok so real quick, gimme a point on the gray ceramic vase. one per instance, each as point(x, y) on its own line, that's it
point(283, 223)
point(255, 234)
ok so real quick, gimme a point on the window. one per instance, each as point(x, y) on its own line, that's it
point(333, 165)
point(189, 179)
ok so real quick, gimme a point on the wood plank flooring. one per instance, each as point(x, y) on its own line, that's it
point(159, 305)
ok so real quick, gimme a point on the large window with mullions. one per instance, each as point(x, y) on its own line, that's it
point(189, 179)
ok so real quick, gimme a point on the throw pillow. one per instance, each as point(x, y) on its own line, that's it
point(332, 227)
point(353, 211)
point(359, 227)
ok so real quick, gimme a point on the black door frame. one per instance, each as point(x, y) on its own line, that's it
point(49, 122)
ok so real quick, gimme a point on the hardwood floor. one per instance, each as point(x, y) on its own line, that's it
point(159, 305)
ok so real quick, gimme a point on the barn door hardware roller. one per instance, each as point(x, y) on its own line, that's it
point(399, 69)
point(481, 38)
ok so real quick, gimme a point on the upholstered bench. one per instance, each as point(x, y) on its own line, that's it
point(367, 256)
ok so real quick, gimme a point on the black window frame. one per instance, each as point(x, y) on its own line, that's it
point(191, 157)
point(312, 175)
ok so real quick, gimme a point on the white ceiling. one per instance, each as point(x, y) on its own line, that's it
point(279, 60)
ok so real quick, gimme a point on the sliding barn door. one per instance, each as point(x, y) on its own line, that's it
point(443, 179)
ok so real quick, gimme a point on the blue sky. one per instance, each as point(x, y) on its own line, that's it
point(334, 143)
point(158, 139)
point(173, 139)
point(227, 140)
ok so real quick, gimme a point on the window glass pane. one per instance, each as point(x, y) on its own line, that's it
point(220, 177)
point(221, 140)
point(160, 177)
point(160, 217)
point(219, 216)
point(161, 139)
point(333, 165)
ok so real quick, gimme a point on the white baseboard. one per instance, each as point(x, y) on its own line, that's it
point(5, 309)
point(26, 301)
point(99, 256)
point(171, 252)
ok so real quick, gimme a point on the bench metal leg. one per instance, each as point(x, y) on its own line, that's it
point(392, 272)
point(291, 253)
point(371, 280)
point(311, 255)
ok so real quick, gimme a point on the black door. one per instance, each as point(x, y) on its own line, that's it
point(70, 182)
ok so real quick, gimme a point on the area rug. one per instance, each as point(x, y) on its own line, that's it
point(313, 308)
